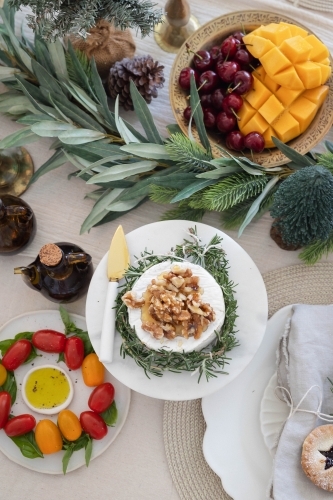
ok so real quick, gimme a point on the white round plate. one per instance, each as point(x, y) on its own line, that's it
point(251, 297)
point(273, 412)
point(233, 443)
point(52, 464)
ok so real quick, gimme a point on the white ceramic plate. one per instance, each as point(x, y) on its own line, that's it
point(233, 444)
point(251, 296)
point(52, 464)
point(273, 412)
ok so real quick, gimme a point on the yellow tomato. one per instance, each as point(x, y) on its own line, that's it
point(69, 425)
point(48, 437)
point(3, 374)
point(92, 370)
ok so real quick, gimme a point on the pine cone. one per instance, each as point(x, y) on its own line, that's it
point(145, 73)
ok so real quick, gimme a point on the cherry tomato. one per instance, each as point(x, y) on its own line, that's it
point(48, 437)
point(17, 354)
point(69, 425)
point(20, 425)
point(3, 374)
point(93, 424)
point(92, 370)
point(5, 405)
point(74, 353)
point(49, 341)
point(101, 397)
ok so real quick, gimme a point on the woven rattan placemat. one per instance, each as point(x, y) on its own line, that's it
point(183, 423)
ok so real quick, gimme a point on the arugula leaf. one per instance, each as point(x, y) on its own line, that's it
point(10, 386)
point(110, 415)
point(28, 445)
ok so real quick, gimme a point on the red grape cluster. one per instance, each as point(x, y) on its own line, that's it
point(223, 75)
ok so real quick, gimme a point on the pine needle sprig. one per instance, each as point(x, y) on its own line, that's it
point(326, 160)
point(234, 216)
point(316, 250)
point(184, 212)
point(161, 194)
point(210, 361)
point(189, 156)
point(230, 191)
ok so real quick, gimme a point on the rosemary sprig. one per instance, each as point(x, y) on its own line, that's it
point(211, 360)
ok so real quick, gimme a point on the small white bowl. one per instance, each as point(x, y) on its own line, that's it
point(55, 409)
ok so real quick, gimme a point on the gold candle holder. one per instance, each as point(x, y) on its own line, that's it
point(176, 26)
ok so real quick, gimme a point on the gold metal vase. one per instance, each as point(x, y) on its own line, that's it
point(176, 26)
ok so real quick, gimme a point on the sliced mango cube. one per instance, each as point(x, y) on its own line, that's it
point(272, 109)
point(309, 73)
point(245, 114)
point(258, 94)
point(286, 127)
point(317, 95)
point(275, 32)
point(274, 61)
point(296, 49)
point(287, 96)
point(319, 50)
point(303, 111)
point(256, 124)
point(289, 79)
point(259, 45)
point(295, 30)
point(268, 134)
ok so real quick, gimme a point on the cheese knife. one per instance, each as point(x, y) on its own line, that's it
point(117, 264)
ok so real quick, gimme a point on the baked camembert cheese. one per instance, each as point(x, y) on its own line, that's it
point(176, 305)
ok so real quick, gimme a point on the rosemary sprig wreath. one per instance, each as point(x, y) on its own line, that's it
point(211, 360)
point(56, 92)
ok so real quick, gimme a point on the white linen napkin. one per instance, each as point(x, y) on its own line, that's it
point(305, 358)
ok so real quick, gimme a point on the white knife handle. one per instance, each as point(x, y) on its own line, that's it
point(109, 323)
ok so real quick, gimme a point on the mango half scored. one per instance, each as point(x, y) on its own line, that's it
point(288, 87)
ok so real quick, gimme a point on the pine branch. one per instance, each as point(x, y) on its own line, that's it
point(229, 192)
point(161, 194)
point(189, 155)
point(85, 63)
point(234, 216)
point(315, 251)
point(184, 212)
point(326, 160)
point(54, 19)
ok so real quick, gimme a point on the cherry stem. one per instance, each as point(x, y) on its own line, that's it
point(190, 51)
point(203, 83)
point(231, 89)
point(234, 113)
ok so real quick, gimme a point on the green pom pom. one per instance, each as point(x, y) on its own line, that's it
point(303, 206)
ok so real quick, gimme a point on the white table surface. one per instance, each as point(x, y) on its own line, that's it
point(135, 466)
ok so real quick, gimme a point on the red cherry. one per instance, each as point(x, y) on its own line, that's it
point(243, 57)
point(209, 118)
point(255, 142)
point(215, 54)
point(225, 123)
point(202, 60)
point(232, 103)
point(185, 77)
point(238, 35)
point(229, 47)
point(243, 82)
point(206, 100)
point(235, 140)
point(227, 70)
point(187, 113)
point(208, 81)
point(217, 98)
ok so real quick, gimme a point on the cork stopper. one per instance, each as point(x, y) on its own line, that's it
point(50, 254)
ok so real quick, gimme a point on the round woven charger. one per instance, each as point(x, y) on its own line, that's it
point(183, 423)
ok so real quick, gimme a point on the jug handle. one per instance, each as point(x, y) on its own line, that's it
point(78, 258)
point(24, 214)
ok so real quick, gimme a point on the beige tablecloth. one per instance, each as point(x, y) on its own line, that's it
point(134, 467)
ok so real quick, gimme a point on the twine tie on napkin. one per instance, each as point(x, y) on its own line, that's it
point(293, 409)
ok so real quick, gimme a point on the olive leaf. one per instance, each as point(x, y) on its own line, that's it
point(122, 171)
point(147, 150)
point(51, 129)
point(80, 136)
point(19, 138)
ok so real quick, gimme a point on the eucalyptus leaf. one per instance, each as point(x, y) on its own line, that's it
point(55, 161)
point(198, 115)
point(122, 171)
point(191, 189)
point(19, 138)
point(299, 159)
point(80, 136)
point(51, 129)
point(144, 115)
point(256, 204)
point(147, 150)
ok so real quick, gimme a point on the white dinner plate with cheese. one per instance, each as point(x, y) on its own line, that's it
point(250, 293)
point(52, 464)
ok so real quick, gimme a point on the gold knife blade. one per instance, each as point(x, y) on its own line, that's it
point(118, 258)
